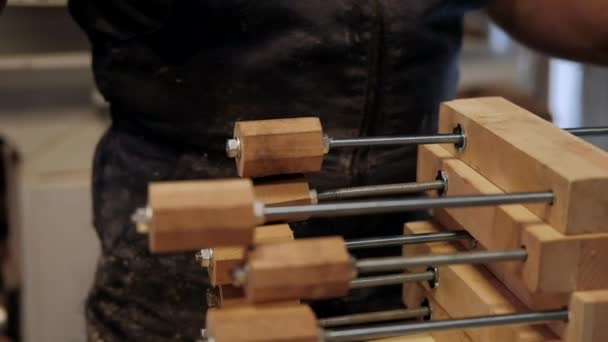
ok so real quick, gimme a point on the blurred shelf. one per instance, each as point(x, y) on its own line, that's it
point(38, 3)
point(45, 61)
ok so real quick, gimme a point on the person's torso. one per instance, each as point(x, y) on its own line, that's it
point(185, 71)
point(178, 74)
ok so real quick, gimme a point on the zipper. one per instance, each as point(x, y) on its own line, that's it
point(372, 96)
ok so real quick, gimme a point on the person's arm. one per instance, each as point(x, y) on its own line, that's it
point(572, 29)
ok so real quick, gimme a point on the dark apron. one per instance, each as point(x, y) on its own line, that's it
point(178, 74)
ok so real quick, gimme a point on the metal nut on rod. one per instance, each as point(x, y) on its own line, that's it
point(233, 148)
point(205, 257)
point(442, 176)
point(239, 276)
point(433, 283)
point(426, 303)
point(142, 217)
point(326, 143)
point(214, 300)
point(460, 146)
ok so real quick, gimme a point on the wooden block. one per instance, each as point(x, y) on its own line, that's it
point(557, 262)
point(503, 271)
point(295, 323)
point(588, 321)
point(520, 152)
point(415, 294)
point(280, 146)
point(466, 290)
point(497, 227)
point(410, 338)
point(283, 191)
point(302, 269)
point(225, 259)
point(512, 226)
point(231, 296)
point(439, 313)
point(197, 214)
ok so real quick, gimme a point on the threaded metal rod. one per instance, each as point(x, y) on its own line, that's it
point(388, 206)
point(392, 279)
point(452, 138)
point(400, 240)
point(379, 190)
point(371, 333)
point(400, 263)
point(371, 317)
point(588, 131)
point(233, 146)
point(397, 140)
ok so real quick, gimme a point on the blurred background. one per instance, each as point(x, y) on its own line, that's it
point(51, 118)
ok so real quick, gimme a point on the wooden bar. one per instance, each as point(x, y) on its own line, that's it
point(303, 269)
point(279, 146)
point(215, 213)
point(295, 323)
point(189, 215)
point(520, 152)
point(579, 258)
point(466, 290)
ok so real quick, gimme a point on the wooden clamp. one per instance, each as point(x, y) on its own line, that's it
point(520, 152)
point(467, 290)
point(556, 263)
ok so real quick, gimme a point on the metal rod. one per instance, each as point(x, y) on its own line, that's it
point(387, 206)
point(397, 140)
point(452, 138)
point(588, 131)
point(370, 333)
point(371, 317)
point(379, 190)
point(392, 279)
point(401, 263)
point(400, 240)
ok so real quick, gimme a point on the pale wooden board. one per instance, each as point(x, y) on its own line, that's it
point(520, 152)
